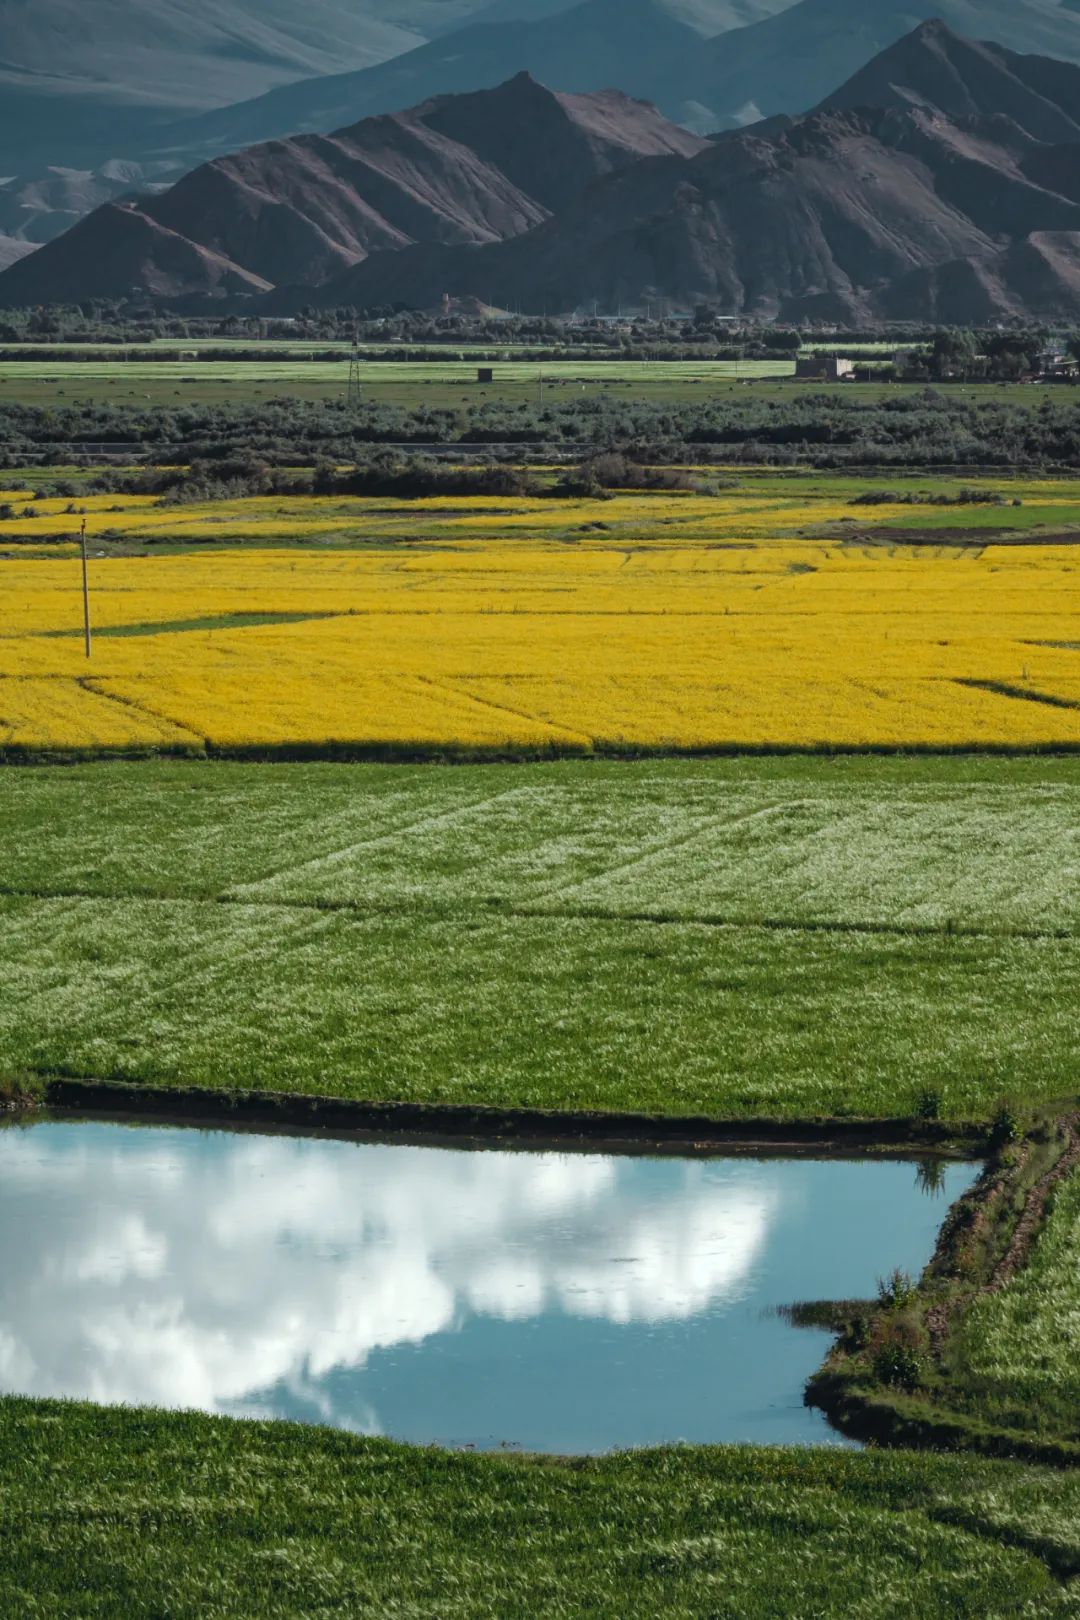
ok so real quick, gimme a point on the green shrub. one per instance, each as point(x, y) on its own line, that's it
point(897, 1291)
point(899, 1366)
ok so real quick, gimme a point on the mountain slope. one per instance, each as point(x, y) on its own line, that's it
point(12, 251)
point(707, 17)
point(790, 62)
point(471, 169)
point(122, 247)
point(186, 53)
point(595, 44)
point(936, 68)
point(841, 215)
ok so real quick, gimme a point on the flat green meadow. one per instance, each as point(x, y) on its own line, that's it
point(122, 1514)
point(786, 938)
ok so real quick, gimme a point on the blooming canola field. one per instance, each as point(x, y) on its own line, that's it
point(503, 627)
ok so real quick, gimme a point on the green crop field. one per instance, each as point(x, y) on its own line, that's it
point(110, 379)
point(391, 382)
point(109, 1514)
point(783, 938)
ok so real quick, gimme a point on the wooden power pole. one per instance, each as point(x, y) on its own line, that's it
point(86, 597)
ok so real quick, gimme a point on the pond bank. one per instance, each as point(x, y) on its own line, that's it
point(533, 1127)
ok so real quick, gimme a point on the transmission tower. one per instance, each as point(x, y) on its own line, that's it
point(354, 394)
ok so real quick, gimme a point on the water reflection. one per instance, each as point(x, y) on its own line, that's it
point(569, 1302)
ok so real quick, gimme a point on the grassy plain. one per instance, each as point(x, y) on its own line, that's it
point(108, 378)
point(106, 1514)
point(787, 938)
point(776, 615)
point(413, 383)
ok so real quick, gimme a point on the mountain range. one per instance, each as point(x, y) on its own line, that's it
point(941, 181)
point(787, 60)
point(82, 83)
point(953, 194)
point(468, 169)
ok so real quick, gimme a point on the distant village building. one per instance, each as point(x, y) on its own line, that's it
point(825, 368)
point(1057, 365)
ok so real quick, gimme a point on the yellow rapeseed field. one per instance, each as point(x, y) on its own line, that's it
point(717, 629)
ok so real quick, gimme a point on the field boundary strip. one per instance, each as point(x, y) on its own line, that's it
point(481, 908)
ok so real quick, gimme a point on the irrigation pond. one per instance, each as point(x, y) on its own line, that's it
point(549, 1301)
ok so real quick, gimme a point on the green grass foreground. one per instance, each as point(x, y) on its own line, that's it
point(783, 938)
point(116, 1513)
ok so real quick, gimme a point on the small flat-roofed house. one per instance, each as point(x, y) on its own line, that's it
point(824, 368)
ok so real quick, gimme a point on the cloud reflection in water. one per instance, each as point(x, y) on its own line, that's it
point(190, 1269)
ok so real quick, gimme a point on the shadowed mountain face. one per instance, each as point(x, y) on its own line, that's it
point(935, 68)
point(458, 170)
point(844, 214)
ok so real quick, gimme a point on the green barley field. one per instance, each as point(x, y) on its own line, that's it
point(108, 378)
point(114, 380)
point(114, 1515)
point(781, 938)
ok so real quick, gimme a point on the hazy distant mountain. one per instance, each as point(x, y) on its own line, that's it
point(594, 45)
point(786, 58)
point(82, 81)
point(845, 214)
point(86, 80)
point(790, 62)
point(37, 208)
point(707, 17)
point(188, 53)
point(458, 169)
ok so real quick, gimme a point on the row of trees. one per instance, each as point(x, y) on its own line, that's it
point(703, 330)
point(913, 428)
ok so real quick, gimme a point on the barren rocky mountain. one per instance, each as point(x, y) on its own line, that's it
point(456, 170)
point(941, 183)
point(844, 214)
point(935, 68)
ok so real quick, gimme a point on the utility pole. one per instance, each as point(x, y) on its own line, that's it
point(86, 597)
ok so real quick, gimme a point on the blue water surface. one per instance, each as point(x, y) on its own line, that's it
point(551, 1301)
